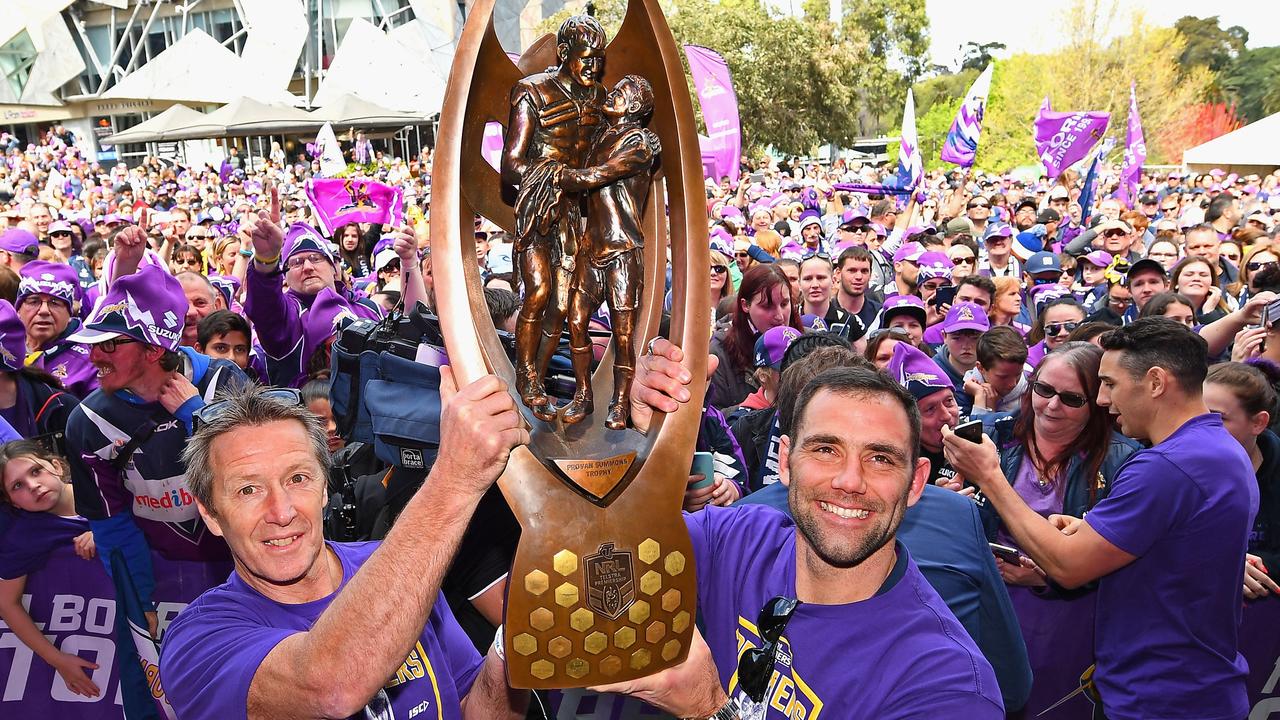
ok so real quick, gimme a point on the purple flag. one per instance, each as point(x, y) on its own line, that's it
point(719, 109)
point(961, 145)
point(338, 201)
point(1063, 139)
point(1135, 153)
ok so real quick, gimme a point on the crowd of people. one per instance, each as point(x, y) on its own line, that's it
point(165, 342)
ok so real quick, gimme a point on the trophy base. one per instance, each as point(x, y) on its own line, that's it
point(602, 600)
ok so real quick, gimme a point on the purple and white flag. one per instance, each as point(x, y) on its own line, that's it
point(338, 201)
point(1064, 139)
point(1135, 154)
point(719, 109)
point(961, 145)
point(910, 164)
point(491, 145)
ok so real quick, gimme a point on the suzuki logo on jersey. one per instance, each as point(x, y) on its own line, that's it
point(173, 499)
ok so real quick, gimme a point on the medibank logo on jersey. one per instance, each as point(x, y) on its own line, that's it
point(173, 499)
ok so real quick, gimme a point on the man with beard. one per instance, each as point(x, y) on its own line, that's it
point(837, 579)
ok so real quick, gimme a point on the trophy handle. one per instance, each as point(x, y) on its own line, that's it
point(617, 604)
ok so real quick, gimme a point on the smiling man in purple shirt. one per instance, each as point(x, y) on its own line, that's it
point(1167, 545)
point(870, 637)
point(306, 628)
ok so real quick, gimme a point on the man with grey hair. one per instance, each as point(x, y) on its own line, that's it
point(309, 628)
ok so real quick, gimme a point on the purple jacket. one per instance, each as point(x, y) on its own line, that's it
point(69, 362)
point(292, 326)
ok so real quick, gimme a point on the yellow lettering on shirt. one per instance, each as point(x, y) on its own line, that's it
point(788, 693)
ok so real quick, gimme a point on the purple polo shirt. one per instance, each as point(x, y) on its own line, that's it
point(1166, 623)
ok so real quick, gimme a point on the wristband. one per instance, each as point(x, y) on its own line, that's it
point(246, 253)
point(266, 261)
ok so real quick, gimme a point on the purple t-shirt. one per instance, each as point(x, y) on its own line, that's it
point(213, 648)
point(1166, 624)
point(27, 539)
point(898, 654)
point(1044, 499)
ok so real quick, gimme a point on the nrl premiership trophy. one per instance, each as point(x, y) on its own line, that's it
point(600, 171)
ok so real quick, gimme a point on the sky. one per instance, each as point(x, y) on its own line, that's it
point(1030, 26)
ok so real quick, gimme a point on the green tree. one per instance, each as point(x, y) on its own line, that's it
point(978, 56)
point(802, 81)
point(1254, 83)
point(1208, 45)
point(1093, 73)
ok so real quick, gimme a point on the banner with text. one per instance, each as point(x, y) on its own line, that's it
point(719, 109)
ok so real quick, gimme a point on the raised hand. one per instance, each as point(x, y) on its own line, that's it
point(479, 427)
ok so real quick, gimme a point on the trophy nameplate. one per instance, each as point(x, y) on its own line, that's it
point(603, 587)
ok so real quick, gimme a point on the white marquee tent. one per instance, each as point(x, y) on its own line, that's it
point(1254, 148)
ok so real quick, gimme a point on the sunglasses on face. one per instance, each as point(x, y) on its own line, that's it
point(1114, 234)
point(719, 269)
point(1256, 266)
point(60, 233)
point(742, 255)
point(1120, 302)
point(1047, 391)
point(1059, 328)
point(755, 667)
point(979, 205)
point(209, 413)
point(109, 346)
point(967, 260)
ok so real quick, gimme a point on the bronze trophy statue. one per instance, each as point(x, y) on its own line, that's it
point(600, 166)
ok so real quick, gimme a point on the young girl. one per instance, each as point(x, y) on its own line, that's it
point(38, 510)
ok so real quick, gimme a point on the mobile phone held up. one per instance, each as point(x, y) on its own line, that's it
point(971, 431)
point(945, 295)
point(704, 464)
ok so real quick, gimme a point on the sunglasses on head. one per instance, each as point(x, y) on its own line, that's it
point(1058, 328)
point(1047, 391)
point(212, 411)
point(755, 667)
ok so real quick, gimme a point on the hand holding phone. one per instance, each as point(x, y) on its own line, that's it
point(704, 464)
point(971, 431)
point(1010, 555)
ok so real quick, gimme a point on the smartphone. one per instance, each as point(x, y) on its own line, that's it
point(945, 295)
point(1006, 553)
point(971, 431)
point(704, 464)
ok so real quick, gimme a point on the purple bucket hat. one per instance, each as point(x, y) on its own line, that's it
point(148, 306)
point(53, 279)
